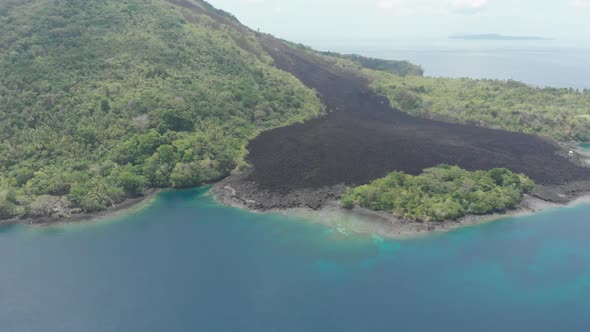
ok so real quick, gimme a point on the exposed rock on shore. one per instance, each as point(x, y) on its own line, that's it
point(238, 190)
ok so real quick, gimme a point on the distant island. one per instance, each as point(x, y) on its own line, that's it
point(493, 36)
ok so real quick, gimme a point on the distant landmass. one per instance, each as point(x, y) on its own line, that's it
point(493, 36)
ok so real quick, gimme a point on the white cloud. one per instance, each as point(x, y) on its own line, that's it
point(468, 6)
point(388, 4)
point(580, 4)
point(396, 7)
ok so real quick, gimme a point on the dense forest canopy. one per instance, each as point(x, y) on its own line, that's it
point(101, 99)
point(441, 193)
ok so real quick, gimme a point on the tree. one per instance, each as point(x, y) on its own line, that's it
point(133, 184)
point(105, 107)
point(186, 175)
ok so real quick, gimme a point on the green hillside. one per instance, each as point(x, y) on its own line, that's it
point(563, 114)
point(102, 99)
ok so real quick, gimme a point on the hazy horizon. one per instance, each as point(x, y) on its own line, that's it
point(310, 22)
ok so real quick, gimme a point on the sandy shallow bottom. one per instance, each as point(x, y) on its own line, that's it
point(378, 223)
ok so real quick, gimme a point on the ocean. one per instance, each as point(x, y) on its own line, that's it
point(553, 63)
point(184, 263)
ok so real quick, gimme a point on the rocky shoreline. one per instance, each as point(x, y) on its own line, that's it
point(368, 222)
point(238, 190)
point(66, 215)
point(321, 205)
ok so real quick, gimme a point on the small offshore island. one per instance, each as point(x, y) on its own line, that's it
point(495, 36)
point(180, 94)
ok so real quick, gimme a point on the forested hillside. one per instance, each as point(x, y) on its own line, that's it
point(102, 99)
point(563, 114)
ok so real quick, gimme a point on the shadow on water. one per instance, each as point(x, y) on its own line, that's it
point(8, 228)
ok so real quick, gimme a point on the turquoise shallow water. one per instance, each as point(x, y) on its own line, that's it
point(187, 264)
point(585, 147)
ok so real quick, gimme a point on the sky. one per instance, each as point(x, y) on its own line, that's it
point(310, 21)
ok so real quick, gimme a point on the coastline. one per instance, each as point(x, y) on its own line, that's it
point(322, 206)
point(359, 221)
point(127, 206)
point(363, 221)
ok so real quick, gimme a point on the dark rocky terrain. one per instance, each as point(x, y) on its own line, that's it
point(362, 138)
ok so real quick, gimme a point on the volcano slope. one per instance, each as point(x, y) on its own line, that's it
point(362, 138)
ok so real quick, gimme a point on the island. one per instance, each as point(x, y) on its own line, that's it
point(104, 103)
point(494, 36)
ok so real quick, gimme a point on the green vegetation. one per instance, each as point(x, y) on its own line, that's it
point(563, 114)
point(100, 100)
point(441, 193)
point(402, 68)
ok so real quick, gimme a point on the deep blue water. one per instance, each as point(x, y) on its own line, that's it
point(544, 63)
point(185, 263)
